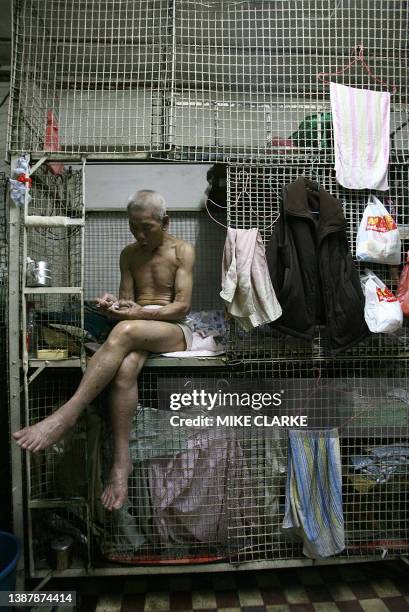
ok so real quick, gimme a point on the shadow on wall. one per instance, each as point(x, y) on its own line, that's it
point(209, 242)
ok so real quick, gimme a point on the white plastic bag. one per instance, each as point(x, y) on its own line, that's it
point(383, 312)
point(378, 238)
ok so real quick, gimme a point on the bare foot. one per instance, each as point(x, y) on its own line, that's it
point(116, 492)
point(43, 434)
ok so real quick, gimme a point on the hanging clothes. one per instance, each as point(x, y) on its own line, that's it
point(312, 270)
point(361, 119)
point(313, 502)
point(190, 492)
point(246, 286)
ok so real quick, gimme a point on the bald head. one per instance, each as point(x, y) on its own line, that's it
point(147, 200)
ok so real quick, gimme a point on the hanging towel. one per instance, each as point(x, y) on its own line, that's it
point(361, 120)
point(313, 504)
point(246, 285)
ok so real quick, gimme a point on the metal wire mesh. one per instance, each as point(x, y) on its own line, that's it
point(90, 76)
point(60, 247)
point(254, 194)
point(375, 511)
point(60, 472)
point(249, 512)
point(56, 194)
point(54, 329)
point(178, 502)
point(106, 234)
point(202, 80)
point(209, 80)
point(246, 72)
point(53, 523)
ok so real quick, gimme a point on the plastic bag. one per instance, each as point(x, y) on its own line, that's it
point(378, 238)
point(383, 313)
point(21, 183)
point(403, 288)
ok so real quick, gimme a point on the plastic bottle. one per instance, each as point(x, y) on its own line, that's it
point(32, 336)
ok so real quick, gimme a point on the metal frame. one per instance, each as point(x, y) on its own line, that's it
point(14, 378)
point(37, 504)
point(169, 99)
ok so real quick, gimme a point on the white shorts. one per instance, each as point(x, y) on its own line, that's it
point(185, 325)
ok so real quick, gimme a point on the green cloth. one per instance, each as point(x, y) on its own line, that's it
point(314, 132)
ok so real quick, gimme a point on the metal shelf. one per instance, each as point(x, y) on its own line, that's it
point(73, 362)
point(43, 221)
point(45, 290)
point(56, 503)
point(188, 362)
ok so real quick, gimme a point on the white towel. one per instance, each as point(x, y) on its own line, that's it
point(361, 119)
point(246, 286)
point(202, 346)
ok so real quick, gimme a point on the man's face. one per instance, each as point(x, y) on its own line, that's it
point(147, 229)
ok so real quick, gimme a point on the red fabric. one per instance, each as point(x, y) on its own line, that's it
point(403, 288)
point(52, 142)
point(286, 143)
point(23, 178)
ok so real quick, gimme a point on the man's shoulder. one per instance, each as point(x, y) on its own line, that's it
point(183, 248)
point(130, 249)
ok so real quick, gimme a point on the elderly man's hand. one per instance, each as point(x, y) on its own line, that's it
point(125, 310)
point(106, 301)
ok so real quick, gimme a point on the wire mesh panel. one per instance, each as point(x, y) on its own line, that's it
point(206, 79)
point(90, 76)
point(54, 329)
point(56, 194)
point(372, 417)
point(60, 527)
point(59, 472)
point(106, 234)
point(182, 508)
point(60, 248)
point(177, 491)
point(246, 73)
point(254, 194)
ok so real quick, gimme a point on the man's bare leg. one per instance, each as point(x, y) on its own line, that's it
point(127, 336)
point(123, 402)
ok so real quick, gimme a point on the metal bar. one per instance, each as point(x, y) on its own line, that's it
point(45, 290)
point(27, 456)
point(188, 362)
point(35, 504)
point(43, 221)
point(83, 201)
point(36, 373)
point(37, 165)
point(14, 377)
point(191, 568)
point(74, 362)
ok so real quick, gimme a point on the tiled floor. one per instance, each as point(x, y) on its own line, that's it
point(371, 587)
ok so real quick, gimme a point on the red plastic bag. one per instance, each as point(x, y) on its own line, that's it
point(52, 142)
point(403, 288)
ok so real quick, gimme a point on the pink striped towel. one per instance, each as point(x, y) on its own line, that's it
point(361, 120)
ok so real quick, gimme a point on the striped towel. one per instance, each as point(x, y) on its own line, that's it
point(313, 504)
point(361, 120)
